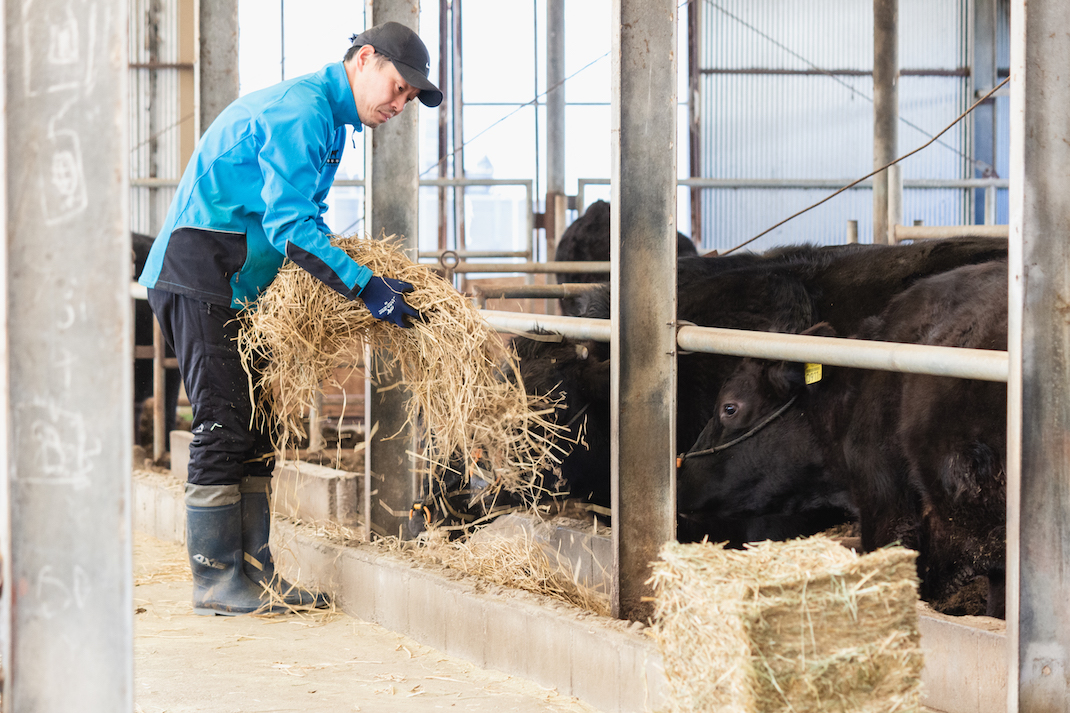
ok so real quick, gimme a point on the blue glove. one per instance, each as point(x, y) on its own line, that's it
point(383, 298)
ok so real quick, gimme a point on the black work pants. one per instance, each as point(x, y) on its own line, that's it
point(228, 443)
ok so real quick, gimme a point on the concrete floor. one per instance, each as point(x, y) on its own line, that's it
point(326, 662)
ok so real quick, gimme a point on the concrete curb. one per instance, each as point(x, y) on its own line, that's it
point(605, 663)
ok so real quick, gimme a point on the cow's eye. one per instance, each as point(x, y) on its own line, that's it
point(729, 410)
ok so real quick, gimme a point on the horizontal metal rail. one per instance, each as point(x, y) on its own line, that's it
point(981, 364)
point(463, 254)
point(505, 292)
point(801, 184)
point(936, 232)
point(571, 327)
point(533, 267)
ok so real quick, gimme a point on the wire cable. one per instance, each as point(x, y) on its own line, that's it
point(873, 173)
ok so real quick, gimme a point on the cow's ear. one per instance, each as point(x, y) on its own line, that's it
point(786, 379)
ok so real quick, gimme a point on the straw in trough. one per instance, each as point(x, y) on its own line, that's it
point(467, 401)
point(516, 562)
point(799, 626)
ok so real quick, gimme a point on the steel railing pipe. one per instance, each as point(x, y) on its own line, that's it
point(936, 232)
point(505, 292)
point(533, 267)
point(982, 364)
point(571, 327)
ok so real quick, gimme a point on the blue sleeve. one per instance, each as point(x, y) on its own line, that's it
point(296, 141)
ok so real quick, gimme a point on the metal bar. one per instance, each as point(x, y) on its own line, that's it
point(66, 629)
point(885, 107)
point(909, 358)
point(534, 267)
point(598, 330)
point(926, 232)
point(979, 364)
point(959, 72)
point(474, 253)
point(159, 393)
point(895, 200)
point(162, 65)
point(555, 96)
point(457, 106)
point(443, 119)
point(643, 249)
point(571, 289)
point(694, 128)
point(812, 183)
point(1038, 457)
point(393, 207)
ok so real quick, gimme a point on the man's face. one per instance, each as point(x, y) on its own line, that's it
point(379, 90)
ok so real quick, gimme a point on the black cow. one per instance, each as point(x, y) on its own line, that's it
point(587, 239)
point(921, 457)
point(785, 290)
point(143, 322)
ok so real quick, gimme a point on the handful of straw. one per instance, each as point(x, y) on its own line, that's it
point(467, 401)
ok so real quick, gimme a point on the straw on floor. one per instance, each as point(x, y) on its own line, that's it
point(467, 401)
point(801, 626)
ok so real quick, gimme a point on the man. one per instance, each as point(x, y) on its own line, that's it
point(253, 194)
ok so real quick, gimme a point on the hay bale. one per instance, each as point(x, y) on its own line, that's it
point(467, 399)
point(797, 626)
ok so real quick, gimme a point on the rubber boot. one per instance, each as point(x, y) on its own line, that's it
point(214, 542)
point(258, 563)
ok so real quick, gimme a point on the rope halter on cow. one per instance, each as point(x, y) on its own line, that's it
point(757, 427)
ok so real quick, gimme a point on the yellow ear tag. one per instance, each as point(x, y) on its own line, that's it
point(812, 373)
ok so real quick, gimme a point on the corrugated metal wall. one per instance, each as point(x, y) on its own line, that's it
point(156, 116)
point(786, 92)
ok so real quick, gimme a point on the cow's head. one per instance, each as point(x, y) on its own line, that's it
point(756, 471)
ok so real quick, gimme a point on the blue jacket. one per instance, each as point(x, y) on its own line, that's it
point(253, 194)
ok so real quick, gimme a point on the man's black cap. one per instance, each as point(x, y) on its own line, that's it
point(407, 51)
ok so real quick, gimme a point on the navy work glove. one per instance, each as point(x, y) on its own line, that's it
point(384, 299)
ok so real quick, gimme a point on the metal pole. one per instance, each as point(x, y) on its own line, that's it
point(456, 96)
point(218, 57)
point(982, 77)
point(443, 117)
point(852, 231)
point(556, 205)
point(67, 598)
point(694, 117)
point(393, 209)
point(643, 256)
point(885, 107)
point(1038, 458)
point(895, 200)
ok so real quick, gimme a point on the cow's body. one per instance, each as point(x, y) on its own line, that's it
point(785, 290)
point(921, 457)
point(587, 240)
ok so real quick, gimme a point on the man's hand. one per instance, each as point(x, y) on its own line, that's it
point(385, 299)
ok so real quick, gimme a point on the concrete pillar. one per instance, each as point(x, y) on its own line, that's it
point(392, 207)
point(885, 107)
point(1038, 496)
point(643, 250)
point(218, 57)
point(65, 372)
